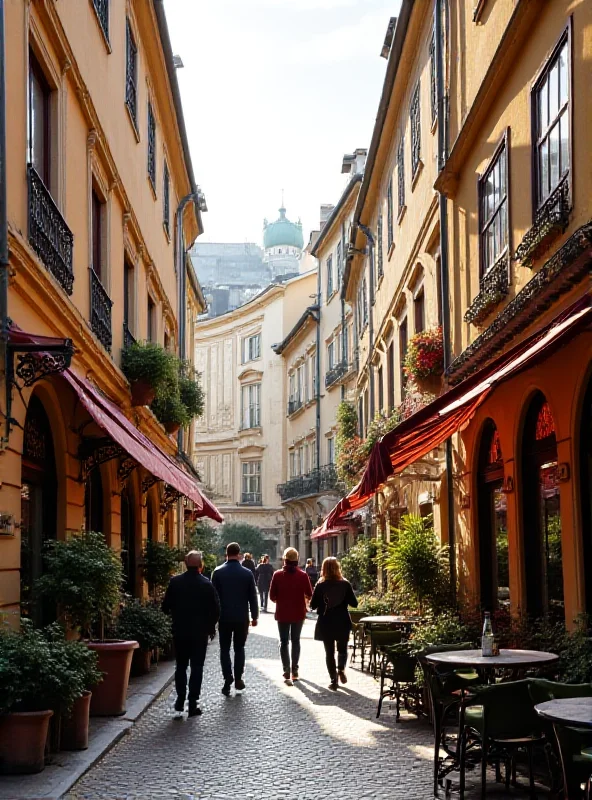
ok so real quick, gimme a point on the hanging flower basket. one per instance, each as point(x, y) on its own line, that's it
point(424, 362)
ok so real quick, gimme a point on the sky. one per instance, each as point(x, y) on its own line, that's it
point(274, 93)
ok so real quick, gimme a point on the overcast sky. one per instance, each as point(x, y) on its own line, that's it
point(274, 93)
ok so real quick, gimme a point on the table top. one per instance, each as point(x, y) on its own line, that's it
point(570, 710)
point(506, 658)
point(389, 618)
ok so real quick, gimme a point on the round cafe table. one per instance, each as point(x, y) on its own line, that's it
point(507, 659)
point(575, 712)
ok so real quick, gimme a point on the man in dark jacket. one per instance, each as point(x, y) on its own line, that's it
point(192, 602)
point(263, 576)
point(236, 589)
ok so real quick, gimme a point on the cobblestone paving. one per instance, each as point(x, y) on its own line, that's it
point(273, 742)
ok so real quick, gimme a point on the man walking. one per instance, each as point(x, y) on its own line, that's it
point(290, 590)
point(263, 576)
point(235, 585)
point(192, 602)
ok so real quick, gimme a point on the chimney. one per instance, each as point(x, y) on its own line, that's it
point(326, 209)
point(354, 163)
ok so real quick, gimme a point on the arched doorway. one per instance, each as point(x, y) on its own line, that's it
point(39, 491)
point(128, 542)
point(492, 525)
point(586, 491)
point(541, 512)
point(94, 501)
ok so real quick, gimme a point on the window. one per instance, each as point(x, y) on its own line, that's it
point(313, 369)
point(251, 348)
point(361, 416)
point(380, 389)
point(102, 11)
point(151, 331)
point(390, 375)
point(419, 311)
point(300, 383)
point(128, 294)
point(97, 236)
point(493, 522)
point(151, 146)
point(251, 489)
point(166, 212)
point(433, 90)
point(331, 450)
point(401, 176)
point(365, 301)
point(379, 255)
point(493, 204)
point(39, 122)
point(339, 264)
point(403, 340)
point(251, 406)
point(292, 464)
point(329, 277)
point(389, 214)
point(414, 115)
point(131, 73)
point(331, 354)
point(551, 115)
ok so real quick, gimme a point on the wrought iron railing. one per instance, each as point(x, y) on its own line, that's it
point(336, 373)
point(294, 405)
point(551, 220)
point(49, 236)
point(102, 9)
point(319, 480)
point(251, 499)
point(128, 338)
point(100, 310)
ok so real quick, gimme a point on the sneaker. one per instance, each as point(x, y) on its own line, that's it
point(226, 688)
point(194, 710)
point(342, 676)
point(333, 685)
point(239, 684)
point(294, 674)
point(179, 705)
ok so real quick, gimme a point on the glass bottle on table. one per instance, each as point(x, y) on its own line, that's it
point(487, 637)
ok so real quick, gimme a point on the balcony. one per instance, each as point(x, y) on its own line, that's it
point(336, 373)
point(295, 405)
point(49, 236)
point(128, 338)
point(100, 310)
point(319, 480)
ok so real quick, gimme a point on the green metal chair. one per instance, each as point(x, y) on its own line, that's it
point(572, 746)
point(381, 637)
point(501, 719)
point(358, 634)
point(399, 666)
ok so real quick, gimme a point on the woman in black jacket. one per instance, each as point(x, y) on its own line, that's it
point(331, 597)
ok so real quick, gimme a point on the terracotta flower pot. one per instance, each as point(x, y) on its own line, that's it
point(115, 660)
point(22, 742)
point(432, 384)
point(74, 735)
point(141, 662)
point(143, 393)
point(171, 427)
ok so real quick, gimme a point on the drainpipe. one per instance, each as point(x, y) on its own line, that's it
point(445, 269)
point(3, 221)
point(369, 236)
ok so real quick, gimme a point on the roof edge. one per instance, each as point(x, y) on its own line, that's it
point(356, 178)
point(310, 313)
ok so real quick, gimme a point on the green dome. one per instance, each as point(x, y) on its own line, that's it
point(282, 233)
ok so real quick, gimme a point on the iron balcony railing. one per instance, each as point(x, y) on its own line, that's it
point(100, 310)
point(49, 236)
point(102, 9)
point(336, 373)
point(294, 405)
point(128, 338)
point(323, 479)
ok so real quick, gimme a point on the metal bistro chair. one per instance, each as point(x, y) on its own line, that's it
point(381, 637)
point(358, 634)
point(501, 719)
point(399, 667)
point(572, 747)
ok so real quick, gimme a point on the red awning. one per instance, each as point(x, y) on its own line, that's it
point(435, 423)
point(321, 533)
point(111, 420)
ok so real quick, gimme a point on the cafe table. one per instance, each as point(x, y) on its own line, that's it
point(506, 659)
point(573, 712)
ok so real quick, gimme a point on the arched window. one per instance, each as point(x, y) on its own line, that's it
point(541, 511)
point(493, 528)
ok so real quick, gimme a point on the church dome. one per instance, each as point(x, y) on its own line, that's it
point(283, 233)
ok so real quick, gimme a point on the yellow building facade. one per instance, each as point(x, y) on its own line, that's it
point(97, 165)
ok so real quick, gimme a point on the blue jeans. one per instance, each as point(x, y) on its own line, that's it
point(290, 632)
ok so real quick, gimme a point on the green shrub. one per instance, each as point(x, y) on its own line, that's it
point(190, 390)
point(160, 562)
point(376, 605)
point(168, 407)
point(446, 627)
point(145, 623)
point(359, 564)
point(84, 577)
point(205, 538)
point(148, 361)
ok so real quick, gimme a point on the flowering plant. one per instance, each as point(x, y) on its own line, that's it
point(425, 354)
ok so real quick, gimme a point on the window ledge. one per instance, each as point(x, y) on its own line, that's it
point(493, 287)
point(255, 431)
point(330, 297)
point(390, 252)
point(416, 174)
point(379, 282)
point(132, 123)
point(434, 124)
point(167, 232)
point(401, 214)
point(152, 187)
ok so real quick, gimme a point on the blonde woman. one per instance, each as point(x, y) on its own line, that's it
point(331, 598)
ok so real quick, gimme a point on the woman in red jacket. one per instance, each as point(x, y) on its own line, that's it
point(290, 590)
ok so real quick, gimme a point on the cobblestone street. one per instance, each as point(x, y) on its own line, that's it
point(273, 741)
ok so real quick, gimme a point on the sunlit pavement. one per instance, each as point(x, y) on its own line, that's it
point(273, 741)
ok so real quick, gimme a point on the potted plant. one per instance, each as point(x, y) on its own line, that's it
point(424, 361)
point(147, 366)
point(169, 409)
point(160, 562)
point(36, 681)
point(74, 727)
point(190, 390)
point(149, 626)
point(84, 577)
